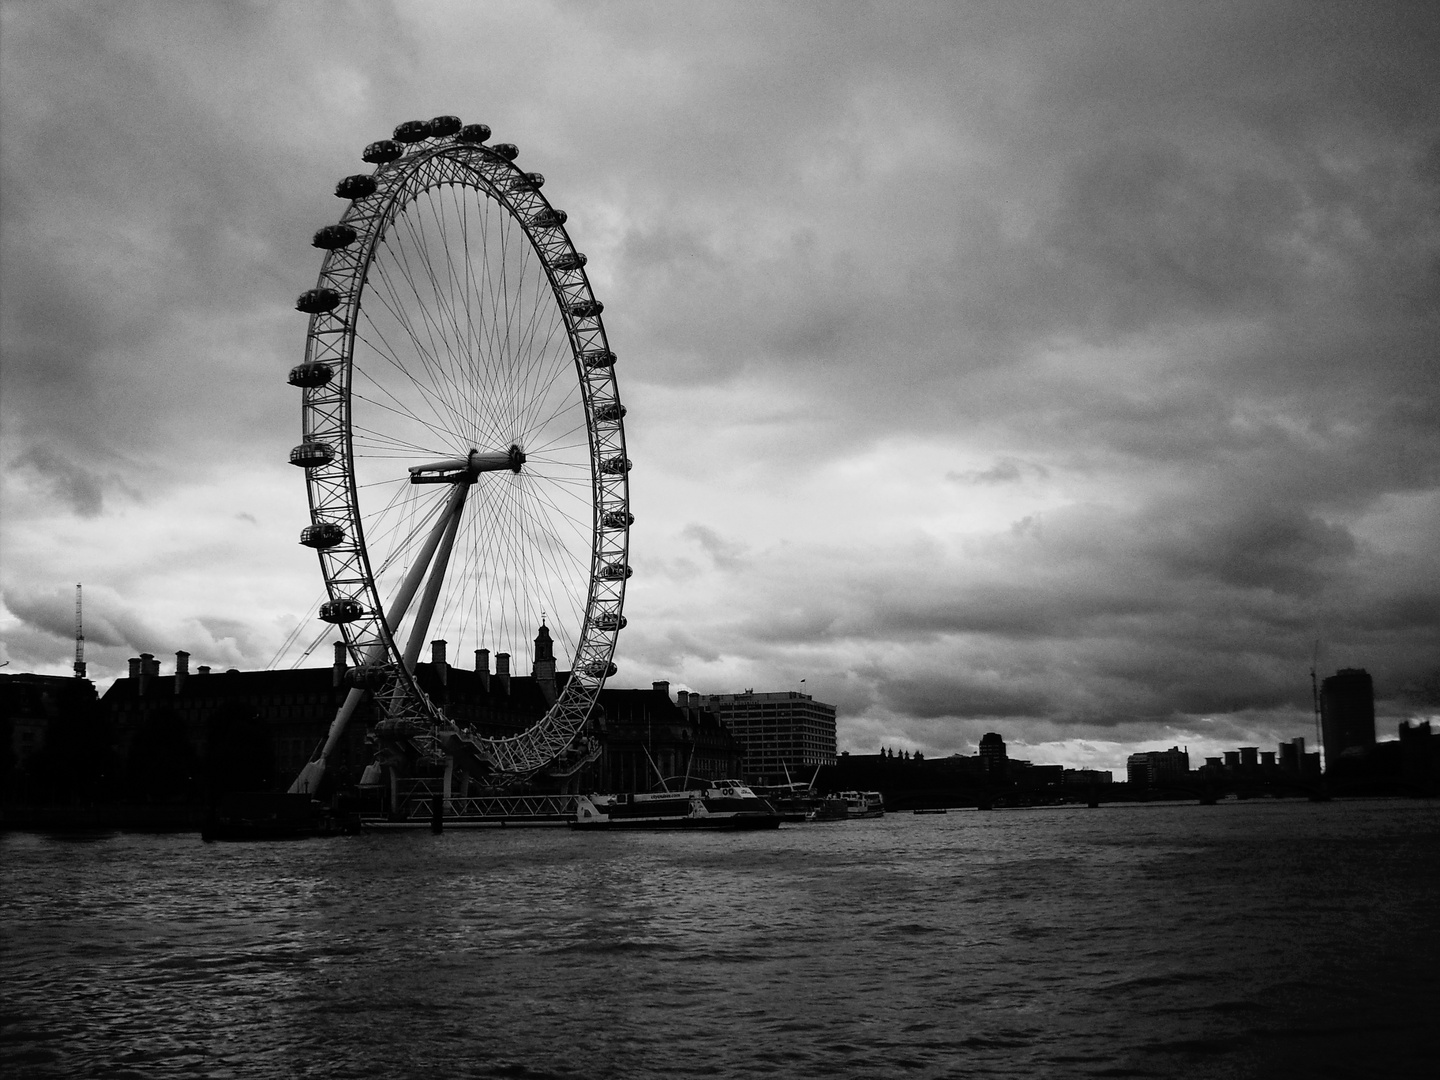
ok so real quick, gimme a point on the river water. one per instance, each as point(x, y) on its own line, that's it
point(1258, 939)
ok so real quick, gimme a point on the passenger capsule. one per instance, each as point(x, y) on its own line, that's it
point(618, 465)
point(412, 131)
point(443, 126)
point(617, 519)
point(308, 375)
point(343, 610)
point(585, 309)
point(367, 676)
point(608, 414)
point(382, 152)
point(611, 621)
point(509, 151)
point(530, 181)
point(332, 237)
point(549, 218)
point(322, 535)
point(359, 186)
point(600, 669)
point(474, 133)
point(570, 260)
point(617, 571)
point(601, 358)
point(311, 455)
point(317, 301)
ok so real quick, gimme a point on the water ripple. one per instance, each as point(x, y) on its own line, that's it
point(1233, 941)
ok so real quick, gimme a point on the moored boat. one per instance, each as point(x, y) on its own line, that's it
point(725, 804)
point(794, 802)
point(847, 805)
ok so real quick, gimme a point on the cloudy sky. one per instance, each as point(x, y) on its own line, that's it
point(1067, 370)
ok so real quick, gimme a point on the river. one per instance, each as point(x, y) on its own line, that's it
point(1254, 939)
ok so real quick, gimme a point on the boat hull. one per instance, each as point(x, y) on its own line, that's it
point(712, 823)
point(852, 806)
point(730, 806)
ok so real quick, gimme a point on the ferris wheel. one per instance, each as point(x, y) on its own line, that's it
point(464, 440)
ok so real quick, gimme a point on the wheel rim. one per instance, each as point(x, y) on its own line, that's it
point(464, 342)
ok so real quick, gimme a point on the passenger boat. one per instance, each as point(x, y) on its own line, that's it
point(725, 804)
point(847, 805)
point(793, 802)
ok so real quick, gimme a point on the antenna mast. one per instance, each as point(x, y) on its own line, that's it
point(79, 639)
point(1315, 690)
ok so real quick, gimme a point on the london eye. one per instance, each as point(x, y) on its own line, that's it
point(463, 442)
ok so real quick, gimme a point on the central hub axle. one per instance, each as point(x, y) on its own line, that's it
point(467, 469)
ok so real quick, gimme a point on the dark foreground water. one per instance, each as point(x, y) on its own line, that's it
point(1240, 940)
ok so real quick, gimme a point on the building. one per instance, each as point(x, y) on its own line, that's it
point(1159, 768)
point(49, 736)
point(1347, 715)
point(180, 734)
point(650, 740)
point(993, 758)
point(1420, 757)
point(782, 734)
point(1087, 777)
point(174, 732)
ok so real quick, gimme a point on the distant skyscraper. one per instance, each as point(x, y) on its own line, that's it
point(780, 731)
point(1155, 768)
point(1347, 713)
point(992, 754)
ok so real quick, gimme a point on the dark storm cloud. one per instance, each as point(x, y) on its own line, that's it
point(150, 238)
point(726, 554)
point(1149, 234)
point(961, 695)
point(1006, 470)
point(51, 612)
point(1277, 548)
point(70, 482)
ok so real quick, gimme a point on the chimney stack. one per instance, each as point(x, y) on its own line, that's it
point(337, 674)
point(182, 669)
point(437, 661)
point(135, 668)
point(149, 668)
point(661, 688)
point(203, 669)
point(482, 668)
point(502, 671)
point(682, 698)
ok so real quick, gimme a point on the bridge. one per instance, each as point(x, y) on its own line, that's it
point(423, 802)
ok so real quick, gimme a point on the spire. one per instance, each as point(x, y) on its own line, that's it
point(544, 646)
point(543, 669)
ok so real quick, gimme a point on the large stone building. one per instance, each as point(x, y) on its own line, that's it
point(783, 734)
point(650, 739)
point(260, 727)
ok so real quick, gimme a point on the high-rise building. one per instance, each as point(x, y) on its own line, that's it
point(993, 758)
point(782, 733)
point(1347, 714)
point(1156, 768)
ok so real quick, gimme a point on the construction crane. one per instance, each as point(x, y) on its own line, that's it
point(79, 639)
